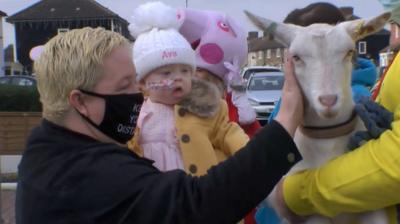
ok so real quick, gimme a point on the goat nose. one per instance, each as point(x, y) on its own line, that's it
point(328, 100)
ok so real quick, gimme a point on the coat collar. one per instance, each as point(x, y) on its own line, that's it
point(203, 100)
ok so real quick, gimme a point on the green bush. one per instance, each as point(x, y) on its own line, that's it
point(19, 98)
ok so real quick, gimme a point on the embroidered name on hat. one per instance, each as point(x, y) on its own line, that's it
point(169, 54)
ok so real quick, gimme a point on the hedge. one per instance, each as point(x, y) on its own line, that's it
point(19, 98)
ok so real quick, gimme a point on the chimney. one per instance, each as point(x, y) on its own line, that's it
point(252, 35)
point(268, 35)
point(347, 11)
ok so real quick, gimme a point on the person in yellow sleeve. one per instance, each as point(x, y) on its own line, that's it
point(365, 179)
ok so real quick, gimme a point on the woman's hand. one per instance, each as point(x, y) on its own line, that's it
point(292, 108)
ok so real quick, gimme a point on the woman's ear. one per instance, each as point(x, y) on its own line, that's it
point(75, 99)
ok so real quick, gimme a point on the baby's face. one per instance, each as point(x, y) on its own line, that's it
point(169, 84)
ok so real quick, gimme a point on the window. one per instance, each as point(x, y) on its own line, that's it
point(260, 55)
point(272, 82)
point(269, 53)
point(62, 30)
point(250, 71)
point(25, 82)
point(278, 53)
point(4, 80)
point(383, 59)
point(362, 47)
point(22, 81)
point(252, 58)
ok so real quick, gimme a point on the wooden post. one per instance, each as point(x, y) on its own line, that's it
point(15, 128)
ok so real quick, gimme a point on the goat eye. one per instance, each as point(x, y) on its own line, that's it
point(350, 53)
point(296, 58)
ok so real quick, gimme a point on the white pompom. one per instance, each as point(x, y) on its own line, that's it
point(153, 15)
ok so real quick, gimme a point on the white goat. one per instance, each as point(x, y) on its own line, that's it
point(322, 57)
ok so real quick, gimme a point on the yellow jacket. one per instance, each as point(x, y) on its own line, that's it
point(204, 142)
point(365, 179)
point(206, 136)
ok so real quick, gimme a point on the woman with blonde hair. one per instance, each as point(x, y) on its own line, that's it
point(77, 169)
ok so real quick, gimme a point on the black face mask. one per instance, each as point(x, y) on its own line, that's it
point(120, 116)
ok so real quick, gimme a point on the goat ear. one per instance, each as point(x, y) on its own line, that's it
point(282, 32)
point(361, 28)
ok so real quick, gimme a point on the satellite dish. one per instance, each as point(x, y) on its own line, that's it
point(35, 52)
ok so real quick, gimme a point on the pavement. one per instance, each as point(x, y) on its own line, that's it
point(7, 207)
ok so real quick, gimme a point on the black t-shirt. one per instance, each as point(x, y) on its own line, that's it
point(67, 177)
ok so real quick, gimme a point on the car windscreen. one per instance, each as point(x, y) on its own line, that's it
point(272, 82)
point(250, 72)
point(20, 81)
point(4, 80)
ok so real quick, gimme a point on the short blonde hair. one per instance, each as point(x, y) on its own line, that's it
point(70, 61)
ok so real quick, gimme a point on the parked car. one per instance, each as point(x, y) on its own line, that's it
point(264, 89)
point(18, 80)
point(249, 71)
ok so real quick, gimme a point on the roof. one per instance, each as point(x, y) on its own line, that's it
point(2, 14)
point(382, 32)
point(63, 10)
point(348, 13)
point(389, 48)
point(264, 43)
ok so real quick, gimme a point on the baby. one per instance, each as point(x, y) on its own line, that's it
point(183, 124)
point(220, 46)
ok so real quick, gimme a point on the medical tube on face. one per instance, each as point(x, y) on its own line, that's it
point(162, 85)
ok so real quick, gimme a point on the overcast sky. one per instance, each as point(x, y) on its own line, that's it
point(272, 9)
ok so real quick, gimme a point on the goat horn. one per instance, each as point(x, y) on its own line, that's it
point(262, 23)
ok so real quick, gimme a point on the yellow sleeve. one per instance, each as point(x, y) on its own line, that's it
point(228, 136)
point(133, 144)
point(365, 179)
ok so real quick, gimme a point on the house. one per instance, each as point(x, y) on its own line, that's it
point(264, 50)
point(11, 67)
point(2, 14)
point(38, 23)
